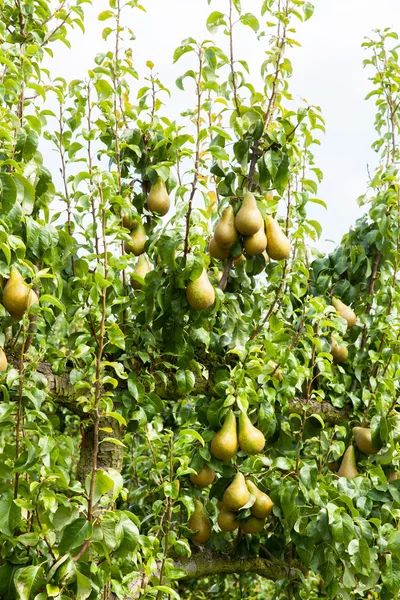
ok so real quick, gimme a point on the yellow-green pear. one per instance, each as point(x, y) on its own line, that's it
point(236, 495)
point(200, 293)
point(3, 360)
point(204, 478)
point(158, 200)
point(252, 525)
point(339, 353)
point(263, 505)
point(348, 467)
point(216, 251)
point(224, 444)
point(248, 219)
point(278, 247)
point(363, 439)
point(227, 520)
point(251, 439)
point(239, 259)
point(138, 240)
point(141, 270)
point(127, 218)
point(277, 371)
point(255, 244)
point(345, 312)
point(18, 296)
point(226, 234)
point(200, 523)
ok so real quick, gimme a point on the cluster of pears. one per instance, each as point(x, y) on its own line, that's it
point(339, 352)
point(239, 495)
point(18, 297)
point(363, 439)
point(226, 441)
point(258, 237)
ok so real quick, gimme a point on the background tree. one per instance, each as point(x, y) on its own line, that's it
point(120, 377)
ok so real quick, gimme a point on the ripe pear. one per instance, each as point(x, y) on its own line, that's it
point(345, 312)
point(227, 520)
point(200, 293)
point(141, 270)
point(204, 478)
point(199, 522)
point(128, 220)
point(158, 200)
point(18, 296)
point(236, 495)
point(252, 525)
point(348, 468)
point(364, 440)
point(339, 353)
point(3, 360)
point(138, 240)
point(263, 505)
point(224, 444)
point(278, 247)
point(216, 251)
point(225, 233)
point(251, 440)
point(249, 219)
point(255, 244)
point(239, 259)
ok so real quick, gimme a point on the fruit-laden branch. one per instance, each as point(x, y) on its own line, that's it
point(206, 562)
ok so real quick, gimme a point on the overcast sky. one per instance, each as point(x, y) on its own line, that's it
point(327, 72)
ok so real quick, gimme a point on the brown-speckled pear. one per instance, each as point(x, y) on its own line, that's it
point(339, 353)
point(255, 244)
point(236, 495)
point(345, 312)
point(278, 247)
point(224, 444)
point(227, 520)
point(348, 467)
point(226, 234)
point(199, 522)
point(200, 293)
point(3, 360)
point(251, 439)
point(363, 439)
point(158, 200)
point(248, 219)
point(18, 296)
point(204, 478)
point(141, 270)
point(138, 240)
point(252, 525)
point(216, 251)
point(263, 505)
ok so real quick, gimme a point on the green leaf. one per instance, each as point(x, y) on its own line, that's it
point(166, 590)
point(103, 484)
point(250, 20)
point(74, 535)
point(116, 336)
point(394, 543)
point(215, 20)
point(83, 586)
point(185, 380)
point(53, 301)
point(192, 433)
point(282, 176)
point(106, 14)
point(364, 552)
point(27, 581)
point(308, 10)
point(10, 516)
point(8, 192)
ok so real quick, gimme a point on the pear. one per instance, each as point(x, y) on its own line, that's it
point(138, 240)
point(236, 495)
point(269, 196)
point(263, 505)
point(278, 247)
point(200, 293)
point(224, 444)
point(348, 468)
point(141, 270)
point(239, 259)
point(216, 251)
point(252, 525)
point(251, 440)
point(220, 504)
point(204, 478)
point(339, 353)
point(227, 520)
point(345, 312)
point(255, 244)
point(158, 200)
point(248, 219)
point(277, 371)
point(18, 296)
point(200, 523)
point(3, 360)
point(225, 234)
point(364, 440)
point(127, 220)
point(393, 476)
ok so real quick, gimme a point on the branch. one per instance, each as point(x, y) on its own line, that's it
point(330, 414)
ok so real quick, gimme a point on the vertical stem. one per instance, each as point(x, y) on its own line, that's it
point(232, 61)
point(90, 163)
point(64, 178)
point(19, 409)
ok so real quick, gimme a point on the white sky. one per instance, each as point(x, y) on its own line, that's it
point(327, 71)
